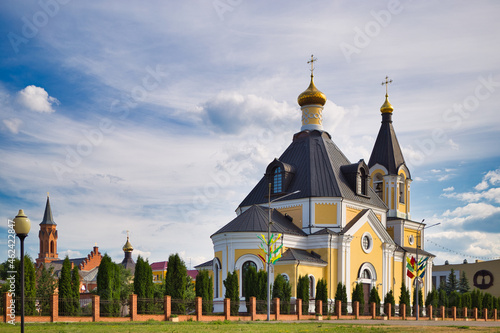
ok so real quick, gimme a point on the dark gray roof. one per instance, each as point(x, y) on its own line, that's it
point(205, 264)
point(420, 251)
point(353, 221)
point(325, 231)
point(386, 150)
point(47, 216)
point(302, 256)
point(317, 162)
point(255, 219)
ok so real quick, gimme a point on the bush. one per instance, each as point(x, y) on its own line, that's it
point(375, 298)
point(389, 299)
point(233, 292)
point(303, 293)
point(322, 294)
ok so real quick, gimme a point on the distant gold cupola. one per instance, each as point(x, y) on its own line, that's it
point(128, 247)
point(311, 103)
point(386, 107)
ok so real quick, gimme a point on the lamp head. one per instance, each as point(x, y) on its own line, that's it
point(22, 223)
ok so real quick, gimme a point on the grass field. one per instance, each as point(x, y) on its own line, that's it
point(274, 327)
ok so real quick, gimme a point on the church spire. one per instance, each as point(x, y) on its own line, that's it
point(47, 216)
point(311, 102)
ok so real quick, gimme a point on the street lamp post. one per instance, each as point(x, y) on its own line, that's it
point(22, 226)
point(269, 249)
point(417, 284)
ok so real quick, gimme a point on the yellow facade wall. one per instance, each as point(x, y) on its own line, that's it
point(350, 213)
point(398, 277)
point(325, 213)
point(390, 231)
point(295, 213)
point(407, 233)
point(359, 257)
point(218, 255)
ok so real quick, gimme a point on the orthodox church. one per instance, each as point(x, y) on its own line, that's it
point(338, 221)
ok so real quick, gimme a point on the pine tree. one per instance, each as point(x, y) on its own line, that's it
point(176, 282)
point(282, 290)
point(488, 302)
point(250, 286)
point(451, 282)
point(203, 289)
point(358, 295)
point(322, 294)
point(420, 301)
point(443, 298)
point(109, 286)
point(143, 285)
point(404, 298)
point(375, 298)
point(75, 289)
point(303, 293)
point(233, 292)
point(467, 300)
point(463, 284)
point(29, 286)
point(66, 295)
point(455, 299)
point(261, 294)
point(46, 284)
point(476, 299)
point(389, 299)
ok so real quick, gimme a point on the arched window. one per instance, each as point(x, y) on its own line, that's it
point(244, 271)
point(366, 274)
point(277, 180)
point(402, 191)
point(311, 287)
point(52, 247)
point(378, 185)
point(285, 276)
point(216, 268)
point(46, 247)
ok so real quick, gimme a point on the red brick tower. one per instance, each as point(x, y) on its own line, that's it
point(47, 237)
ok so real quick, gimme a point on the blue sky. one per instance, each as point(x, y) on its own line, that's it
point(159, 117)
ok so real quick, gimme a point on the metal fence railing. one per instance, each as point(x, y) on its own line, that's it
point(150, 306)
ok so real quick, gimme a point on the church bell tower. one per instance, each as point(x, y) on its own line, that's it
point(47, 237)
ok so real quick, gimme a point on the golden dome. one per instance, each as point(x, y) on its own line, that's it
point(386, 107)
point(128, 247)
point(311, 96)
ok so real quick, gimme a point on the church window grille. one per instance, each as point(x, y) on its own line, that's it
point(366, 274)
point(366, 242)
point(277, 180)
point(246, 266)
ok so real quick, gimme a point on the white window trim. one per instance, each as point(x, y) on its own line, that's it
point(370, 246)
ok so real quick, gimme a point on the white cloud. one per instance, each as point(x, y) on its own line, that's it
point(448, 189)
point(13, 124)
point(452, 144)
point(491, 178)
point(472, 211)
point(37, 99)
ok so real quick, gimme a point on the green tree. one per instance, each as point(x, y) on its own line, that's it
point(176, 282)
point(451, 282)
point(463, 284)
point(488, 302)
point(476, 299)
point(75, 289)
point(341, 295)
point(233, 292)
point(66, 294)
point(375, 298)
point(443, 298)
point(322, 294)
point(109, 286)
point(204, 289)
point(420, 301)
point(404, 298)
point(143, 285)
point(282, 290)
point(29, 286)
point(358, 295)
point(389, 299)
point(250, 286)
point(303, 293)
point(455, 299)
point(46, 285)
point(261, 290)
point(466, 300)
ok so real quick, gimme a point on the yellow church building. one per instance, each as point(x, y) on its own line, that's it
point(349, 223)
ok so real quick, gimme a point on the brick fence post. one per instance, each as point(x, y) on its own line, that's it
point(199, 308)
point(388, 310)
point(474, 311)
point(167, 304)
point(133, 307)
point(485, 311)
point(298, 304)
point(54, 308)
point(338, 307)
point(355, 309)
point(96, 308)
point(495, 314)
point(373, 310)
point(443, 312)
point(277, 308)
point(454, 312)
point(465, 312)
point(6, 303)
point(429, 310)
point(253, 308)
point(227, 309)
point(319, 305)
point(402, 311)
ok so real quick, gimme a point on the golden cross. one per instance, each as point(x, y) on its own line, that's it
point(127, 233)
point(386, 82)
point(312, 63)
point(47, 194)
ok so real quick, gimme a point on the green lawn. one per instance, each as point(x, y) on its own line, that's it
point(151, 326)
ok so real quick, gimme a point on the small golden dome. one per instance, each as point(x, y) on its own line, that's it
point(128, 247)
point(311, 96)
point(386, 107)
